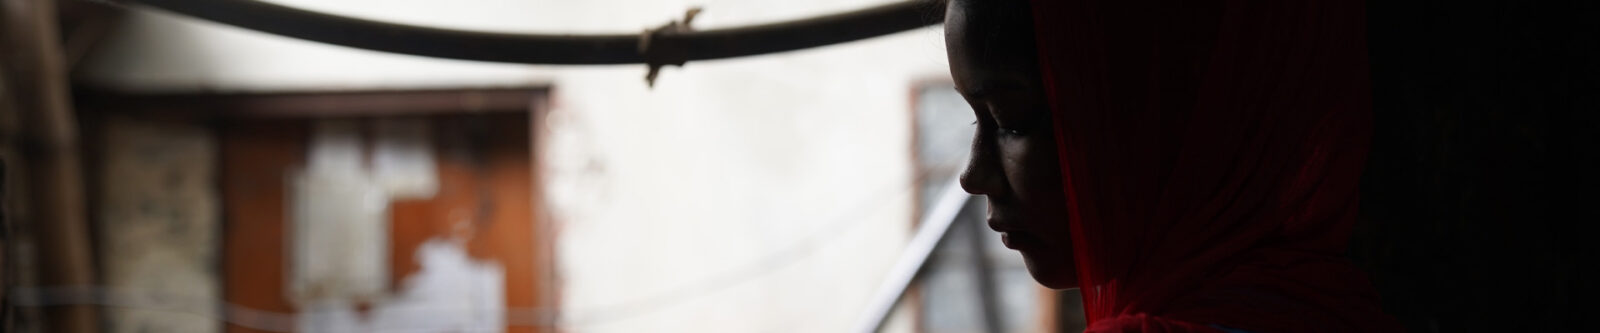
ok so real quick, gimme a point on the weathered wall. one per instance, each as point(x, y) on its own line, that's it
point(157, 224)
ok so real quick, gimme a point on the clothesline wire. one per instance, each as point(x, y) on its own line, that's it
point(842, 223)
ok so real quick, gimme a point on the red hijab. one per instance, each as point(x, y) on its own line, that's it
point(1210, 153)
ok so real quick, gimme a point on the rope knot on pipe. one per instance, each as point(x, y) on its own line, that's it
point(661, 46)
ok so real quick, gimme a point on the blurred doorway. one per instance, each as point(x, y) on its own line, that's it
point(368, 211)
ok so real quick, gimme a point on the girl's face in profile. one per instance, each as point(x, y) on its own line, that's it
point(992, 59)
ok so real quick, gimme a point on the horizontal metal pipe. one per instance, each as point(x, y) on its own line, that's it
point(558, 49)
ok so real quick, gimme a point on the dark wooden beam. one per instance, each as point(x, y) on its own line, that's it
point(49, 151)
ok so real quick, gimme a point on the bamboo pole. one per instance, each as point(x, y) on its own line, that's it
point(560, 49)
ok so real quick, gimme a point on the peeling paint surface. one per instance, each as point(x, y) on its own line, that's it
point(452, 293)
point(342, 206)
point(341, 222)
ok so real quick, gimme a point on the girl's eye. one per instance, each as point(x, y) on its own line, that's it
point(1010, 131)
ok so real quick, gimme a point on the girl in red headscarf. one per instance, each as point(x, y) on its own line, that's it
point(1192, 166)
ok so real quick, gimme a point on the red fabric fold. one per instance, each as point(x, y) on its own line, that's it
point(1210, 155)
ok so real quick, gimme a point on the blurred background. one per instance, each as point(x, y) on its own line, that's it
point(246, 182)
point(165, 173)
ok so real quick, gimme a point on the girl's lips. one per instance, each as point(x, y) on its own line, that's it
point(1019, 240)
point(999, 225)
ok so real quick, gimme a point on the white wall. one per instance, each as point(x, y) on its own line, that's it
point(762, 194)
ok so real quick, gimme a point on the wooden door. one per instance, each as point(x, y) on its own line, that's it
point(485, 201)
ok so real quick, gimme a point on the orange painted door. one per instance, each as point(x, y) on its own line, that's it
point(485, 201)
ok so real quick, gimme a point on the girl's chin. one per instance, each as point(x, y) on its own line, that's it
point(1051, 275)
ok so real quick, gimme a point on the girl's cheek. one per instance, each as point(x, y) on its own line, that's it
point(1023, 168)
